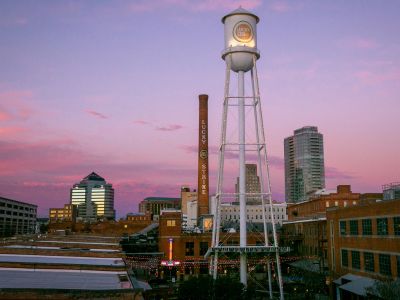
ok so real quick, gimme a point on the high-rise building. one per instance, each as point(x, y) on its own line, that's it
point(304, 164)
point(93, 197)
point(252, 184)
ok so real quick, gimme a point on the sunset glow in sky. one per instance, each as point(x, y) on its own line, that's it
point(112, 87)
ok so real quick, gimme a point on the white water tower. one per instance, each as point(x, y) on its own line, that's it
point(240, 55)
point(240, 40)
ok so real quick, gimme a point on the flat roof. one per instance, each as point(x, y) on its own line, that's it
point(69, 260)
point(77, 242)
point(11, 278)
point(19, 202)
point(303, 221)
point(58, 248)
point(161, 199)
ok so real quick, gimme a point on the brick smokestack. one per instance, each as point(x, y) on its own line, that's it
point(203, 187)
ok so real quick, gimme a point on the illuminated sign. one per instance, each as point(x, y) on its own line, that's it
point(243, 32)
point(170, 263)
point(170, 241)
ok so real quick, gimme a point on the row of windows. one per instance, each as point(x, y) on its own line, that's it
point(327, 204)
point(369, 262)
point(14, 206)
point(256, 210)
point(15, 213)
point(257, 217)
point(189, 249)
point(366, 226)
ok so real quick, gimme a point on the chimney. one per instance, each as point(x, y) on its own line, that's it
point(203, 180)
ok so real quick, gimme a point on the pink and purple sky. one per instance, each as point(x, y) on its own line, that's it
point(112, 86)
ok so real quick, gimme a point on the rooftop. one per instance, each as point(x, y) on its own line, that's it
point(68, 260)
point(94, 177)
point(17, 202)
point(161, 199)
point(11, 278)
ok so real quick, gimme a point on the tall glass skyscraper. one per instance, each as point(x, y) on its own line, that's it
point(304, 164)
point(94, 198)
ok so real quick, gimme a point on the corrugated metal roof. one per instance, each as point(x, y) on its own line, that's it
point(62, 279)
point(69, 260)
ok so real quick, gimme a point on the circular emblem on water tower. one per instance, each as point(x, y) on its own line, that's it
point(243, 32)
point(203, 154)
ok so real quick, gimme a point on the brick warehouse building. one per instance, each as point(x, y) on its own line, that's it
point(305, 230)
point(365, 240)
point(184, 252)
point(317, 205)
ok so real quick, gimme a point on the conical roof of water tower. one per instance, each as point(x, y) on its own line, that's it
point(240, 11)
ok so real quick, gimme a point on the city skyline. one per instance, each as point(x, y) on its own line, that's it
point(112, 88)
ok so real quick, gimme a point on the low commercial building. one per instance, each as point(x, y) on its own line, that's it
point(68, 213)
point(154, 205)
point(230, 212)
point(183, 251)
point(64, 268)
point(138, 217)
point(16, 217)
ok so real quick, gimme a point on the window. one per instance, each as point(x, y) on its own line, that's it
point(382, 226)
point(354, 227)
point(398, 266)
point(369, 262)
point(189, 249)
point(343, 227)
point(345, 258)
point(171, 223)
point(355, 260)
point(203, 248)
point(384, 264)
point(396, 225)
point(367, 227)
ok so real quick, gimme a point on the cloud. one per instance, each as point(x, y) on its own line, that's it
point(14, 105)
point(222, 5)
point(283, 6)
point(11, 131)
point(96, 114)
point(13, 21)
point(192, 5)
point(4, 116)
point(362, 43)
point(333, 173)
point(274, 161)
point(369, 77)
point(171, 127)
point(141, 122)
point(43, 172)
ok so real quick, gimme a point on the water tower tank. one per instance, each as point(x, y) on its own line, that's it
point(240, 39)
